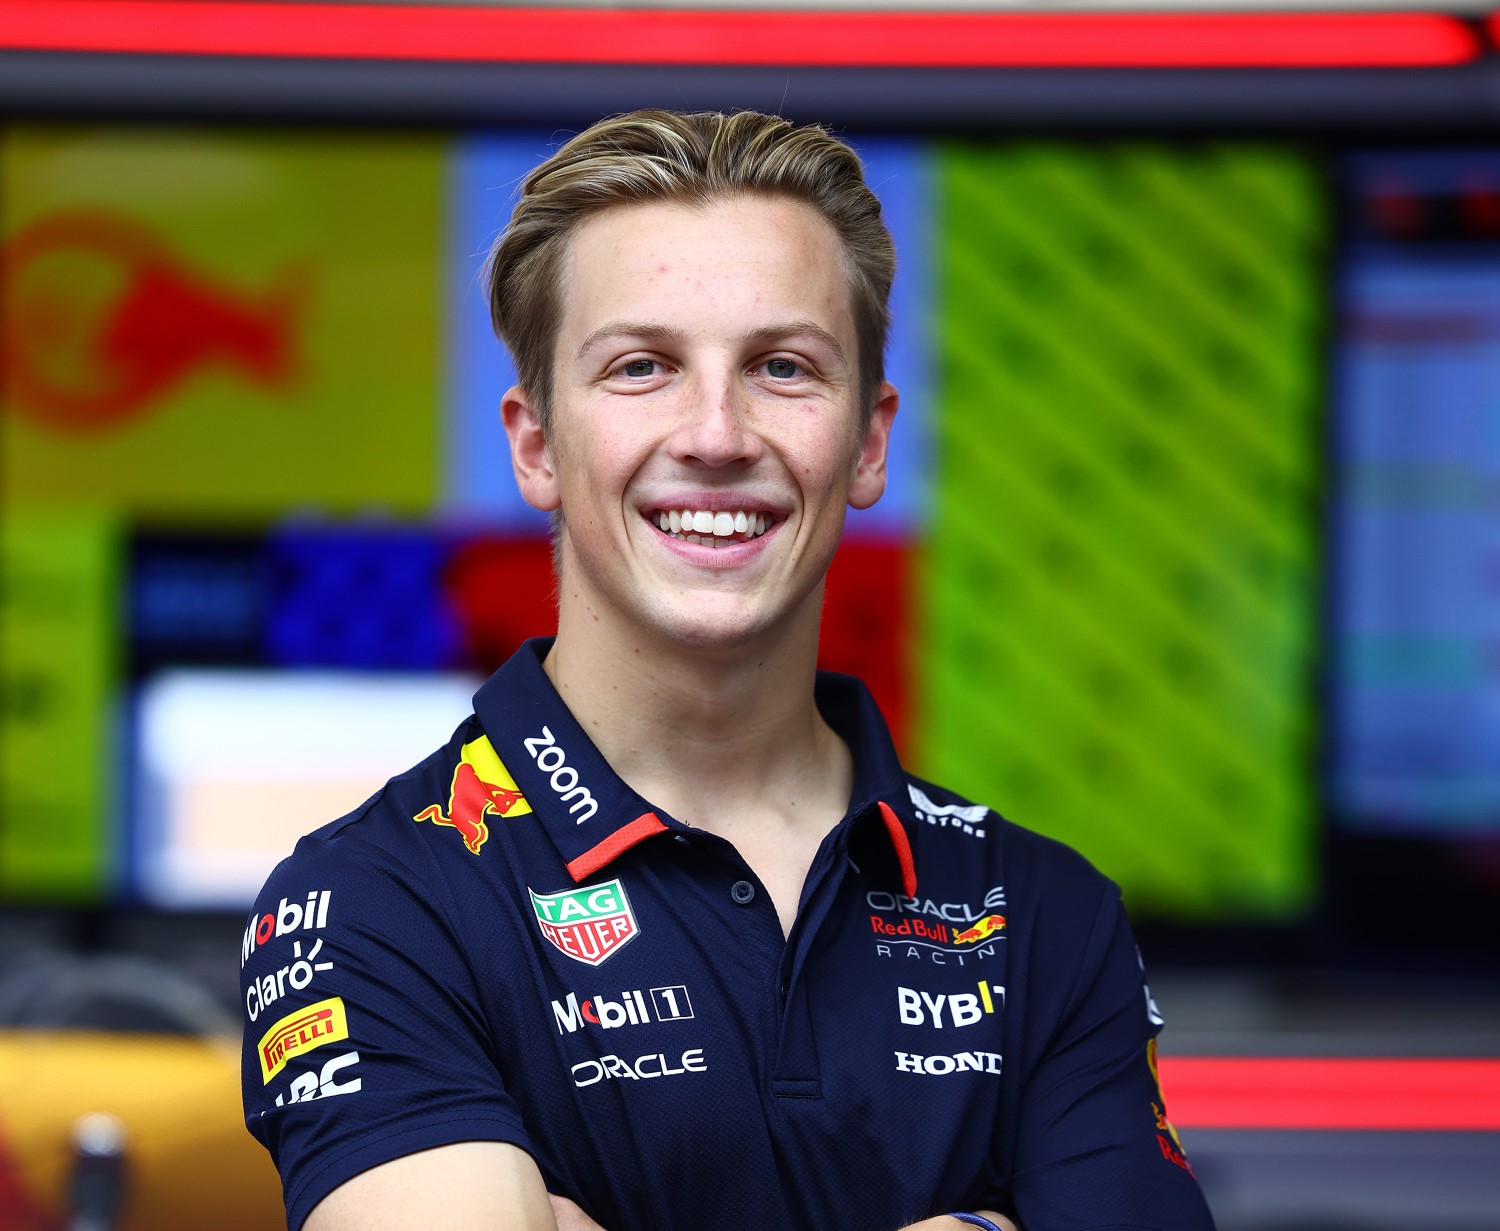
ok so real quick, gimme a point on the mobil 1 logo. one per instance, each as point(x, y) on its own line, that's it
point(636, 1007)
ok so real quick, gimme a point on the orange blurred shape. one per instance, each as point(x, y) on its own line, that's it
point(190, 1162)
point(102, 321)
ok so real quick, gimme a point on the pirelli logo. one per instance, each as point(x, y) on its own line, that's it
point(307, 1028)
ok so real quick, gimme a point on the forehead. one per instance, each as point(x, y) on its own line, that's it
point(750, 258)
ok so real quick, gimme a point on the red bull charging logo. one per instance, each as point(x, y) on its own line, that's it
point(481, 787)
point(982, 929)
point(102, 321)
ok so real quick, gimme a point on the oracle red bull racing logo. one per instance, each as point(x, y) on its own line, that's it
point(481, 787)
point(939, 931)
point(589, 925)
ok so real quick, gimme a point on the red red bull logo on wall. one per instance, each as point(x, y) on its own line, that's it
point(589, 925)
point(103, 320)
point(481, 787)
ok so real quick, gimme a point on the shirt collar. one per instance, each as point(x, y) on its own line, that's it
point(593, 816)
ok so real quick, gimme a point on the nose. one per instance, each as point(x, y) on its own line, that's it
point(716, 428)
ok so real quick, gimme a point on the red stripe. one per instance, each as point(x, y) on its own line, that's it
point(781, 38)
point(615, 845)
point(897, 830)
point(1238, 1092)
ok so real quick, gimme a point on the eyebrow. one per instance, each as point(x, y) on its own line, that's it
point(629, 329)
point(794, 329)
point(765, 336)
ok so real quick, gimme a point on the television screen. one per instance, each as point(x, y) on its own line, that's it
point(1415, 720)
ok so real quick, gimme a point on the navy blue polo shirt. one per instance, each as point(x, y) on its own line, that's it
point(507, 943)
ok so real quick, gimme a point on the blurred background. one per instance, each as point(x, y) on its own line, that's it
point(1191, 556)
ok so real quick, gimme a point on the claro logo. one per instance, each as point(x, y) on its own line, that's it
point(551, 759)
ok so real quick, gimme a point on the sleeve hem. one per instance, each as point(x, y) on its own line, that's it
point(307, 1191)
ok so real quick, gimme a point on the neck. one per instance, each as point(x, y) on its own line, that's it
point(713, 735)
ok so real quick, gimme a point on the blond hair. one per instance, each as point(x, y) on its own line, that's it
point(693, 158)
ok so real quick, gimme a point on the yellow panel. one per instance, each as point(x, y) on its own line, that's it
point(222, 321)
point(191, 1163)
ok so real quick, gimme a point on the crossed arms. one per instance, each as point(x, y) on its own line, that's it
point(477, 1186)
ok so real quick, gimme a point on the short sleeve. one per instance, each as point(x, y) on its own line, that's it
point(1095, 1149)
point(365, 1033)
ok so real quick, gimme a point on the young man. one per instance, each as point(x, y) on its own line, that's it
point(665, 937)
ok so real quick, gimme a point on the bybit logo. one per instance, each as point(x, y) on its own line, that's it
point(951, 1008)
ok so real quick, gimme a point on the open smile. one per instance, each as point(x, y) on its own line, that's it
point(712, 527)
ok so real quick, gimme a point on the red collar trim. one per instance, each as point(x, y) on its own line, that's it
point(899, 840)
point(645, 826)
point(648, 825)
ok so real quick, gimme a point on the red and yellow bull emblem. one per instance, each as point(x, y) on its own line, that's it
point(1171, 1150)
point(481, 786)
point(301, 1031)
point(983, 929)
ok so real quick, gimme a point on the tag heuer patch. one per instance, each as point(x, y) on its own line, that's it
point(587, 924)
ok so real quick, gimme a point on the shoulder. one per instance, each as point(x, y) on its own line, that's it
point(374, 874)
point(1027, 851)
point(381, 842)
point(1045, 882)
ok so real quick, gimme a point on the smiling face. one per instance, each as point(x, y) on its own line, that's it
point(705, 428)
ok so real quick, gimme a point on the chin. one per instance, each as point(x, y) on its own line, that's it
point(709, 627)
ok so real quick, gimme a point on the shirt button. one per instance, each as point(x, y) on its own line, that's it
point(742, 892)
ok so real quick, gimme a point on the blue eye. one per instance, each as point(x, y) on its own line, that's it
point(782, 369)
point(639, 367)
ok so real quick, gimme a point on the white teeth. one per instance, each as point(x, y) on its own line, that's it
point(707, 528)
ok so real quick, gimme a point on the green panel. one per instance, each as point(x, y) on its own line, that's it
point(59, 584)
point(1119, 589)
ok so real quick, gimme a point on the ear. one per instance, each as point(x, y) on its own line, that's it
point(530, 454)
point(868, 484)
